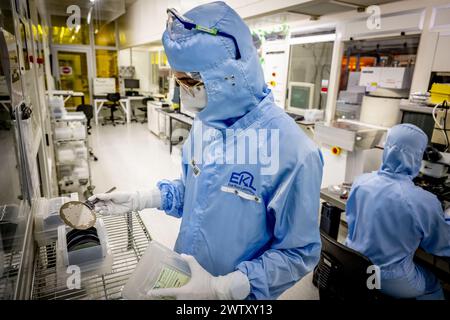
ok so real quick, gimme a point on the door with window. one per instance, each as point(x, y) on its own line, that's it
point(73, 73)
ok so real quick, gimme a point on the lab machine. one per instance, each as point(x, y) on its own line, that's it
point(349, 149)
point(434, 175)
point(275, 67)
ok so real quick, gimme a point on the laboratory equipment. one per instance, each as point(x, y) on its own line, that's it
point(159, 267)
point(348, 149)
point(300, 97)
point(435, 164)
point(419, 115)
point(386, 77)
point(381, 107)
point(440, 92)
point(432, 119)
point(88, 249)
point(419, 97)
point(434, 174)
point(80, 215)
point(275, 68)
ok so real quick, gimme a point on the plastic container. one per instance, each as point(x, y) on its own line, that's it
point(96, 260)
point(159, 267)
point(47, 220)
point(81, 170)
point(66, 155)
point(70, 131)
point(81, 152)
point(56, 104)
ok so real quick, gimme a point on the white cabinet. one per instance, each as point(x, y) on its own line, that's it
point(441, 59)
point(158, 122)
point(153, 116)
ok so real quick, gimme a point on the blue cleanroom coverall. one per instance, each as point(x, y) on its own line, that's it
point(389, 218)
point(269, 229)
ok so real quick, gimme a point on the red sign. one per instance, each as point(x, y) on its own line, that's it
point(66, 70)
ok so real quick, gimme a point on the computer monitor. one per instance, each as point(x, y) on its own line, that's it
point(131, 84)
point(300, 97)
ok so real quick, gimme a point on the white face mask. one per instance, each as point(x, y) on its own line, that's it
point(194, 100)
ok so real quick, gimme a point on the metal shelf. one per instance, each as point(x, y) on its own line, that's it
point(128, 239)
point(10, 272)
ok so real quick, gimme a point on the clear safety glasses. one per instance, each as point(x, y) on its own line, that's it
point(188, 24)
point(188, 82)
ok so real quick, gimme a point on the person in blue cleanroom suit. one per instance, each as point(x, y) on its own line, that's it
point(247, 233)
point(389, 218)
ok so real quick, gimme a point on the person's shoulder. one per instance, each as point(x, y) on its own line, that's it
point(289, 131)
point(420, 197)
point(364, 179)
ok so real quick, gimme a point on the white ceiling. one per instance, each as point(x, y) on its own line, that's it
point(313, 9)
point(317, 8)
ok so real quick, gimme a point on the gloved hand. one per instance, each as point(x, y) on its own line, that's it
point(123, 202)
point(204, 286)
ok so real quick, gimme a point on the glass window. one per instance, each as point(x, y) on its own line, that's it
point(310, 64)
point(105, 35)
point(389, 52)
point(107, 64)
point(61, 34)
point(73, 75)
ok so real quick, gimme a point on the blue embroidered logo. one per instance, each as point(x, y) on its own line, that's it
point(242, 180)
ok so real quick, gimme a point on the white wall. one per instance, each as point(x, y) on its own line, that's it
point(140, 59)
point(141, 62)
point(124, 57)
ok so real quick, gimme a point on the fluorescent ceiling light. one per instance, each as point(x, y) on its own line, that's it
point(89, 16)
point(313, 39)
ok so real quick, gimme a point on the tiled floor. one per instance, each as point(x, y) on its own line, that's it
point(132, 158)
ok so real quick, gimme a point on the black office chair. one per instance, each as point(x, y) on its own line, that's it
point(342, 273)
point(144, 108)
point(113, 106)
point(88, 111)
